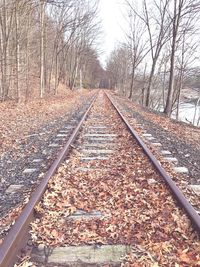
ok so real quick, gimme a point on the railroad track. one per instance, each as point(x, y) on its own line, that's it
point(20, 168)
point(105, 197)
point(175, 148)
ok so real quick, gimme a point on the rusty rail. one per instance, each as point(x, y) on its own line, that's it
point(16, 238)
point(184, 203)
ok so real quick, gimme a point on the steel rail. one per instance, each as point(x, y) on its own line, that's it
point(16, 238)
point(190, 211)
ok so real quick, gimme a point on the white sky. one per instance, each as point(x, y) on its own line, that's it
point(112, 21)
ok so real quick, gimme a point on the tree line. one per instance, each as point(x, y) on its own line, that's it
point(45, 43)
point(159, 53)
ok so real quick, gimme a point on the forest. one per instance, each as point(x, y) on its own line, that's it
point(47, 44)
point(160, 54)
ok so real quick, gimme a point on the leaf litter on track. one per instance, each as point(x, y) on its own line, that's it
point(135, 211)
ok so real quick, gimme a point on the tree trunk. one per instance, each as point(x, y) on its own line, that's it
point(52, 63)
point(42, 48)
point(143, 88)
point(4, 52)
point(195, 111)
point(181, 77)
point(178, 99)
point(17, 54)
point(132, 82)
point(169, 102)
point(81, 79)
point(27, 59)
point(150, 83)
point(56, 75)
point(168, 107)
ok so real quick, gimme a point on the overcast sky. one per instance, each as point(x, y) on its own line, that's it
point(113, 23)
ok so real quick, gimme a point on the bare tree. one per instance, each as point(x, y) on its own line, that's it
point(6, 19)
point(119, 69)
point(157, 23)
point(36, 38)
point(183, 10)
point(42, 46)
point(136, 43)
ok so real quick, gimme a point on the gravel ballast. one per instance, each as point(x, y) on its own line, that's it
point(24, 163)
point(185, 150)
